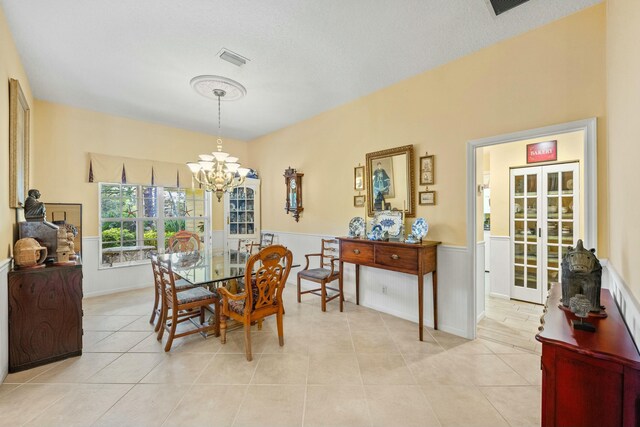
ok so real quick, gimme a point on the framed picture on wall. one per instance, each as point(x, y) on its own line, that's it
point(19, 116)
point(358, 178)
point(70, 214)
point(427, 171)
point(427, 197)
point(358, 201)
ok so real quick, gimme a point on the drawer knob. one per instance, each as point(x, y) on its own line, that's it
point(394, 256)
point(356, 251)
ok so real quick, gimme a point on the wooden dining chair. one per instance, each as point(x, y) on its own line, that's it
point(326, 273)
point(184, 241)
point(183, 306)
point(262, 298)
point(266, 239)
point(181, 285)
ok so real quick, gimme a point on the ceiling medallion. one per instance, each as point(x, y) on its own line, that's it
point(207, 85)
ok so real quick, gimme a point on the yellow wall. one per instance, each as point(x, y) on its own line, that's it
point(10, 67)
point(551, 75)
point(64, 135)
point(504, 156)
point(623, 106)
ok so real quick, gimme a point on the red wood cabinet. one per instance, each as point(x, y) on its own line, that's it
point(588, 378)
point(45, 315)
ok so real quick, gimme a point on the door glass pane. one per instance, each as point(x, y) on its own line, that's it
point(519, 185)
point(532, 208)
point(532, 255)
point(567, 207)
point(519, 253)
point(518, 208)
point(532, 278)
point(552, 231)
point(552, 183)
point(532, 231)
point(532, 185)
point(552, 256)
point(567, 232)
point(567, 182)
point(552, 207)
point(552, 276)
point(519, 231)
point(519, 276)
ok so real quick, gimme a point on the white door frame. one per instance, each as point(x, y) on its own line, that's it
point(590, 191)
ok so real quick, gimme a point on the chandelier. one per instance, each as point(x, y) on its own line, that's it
point(218, 172)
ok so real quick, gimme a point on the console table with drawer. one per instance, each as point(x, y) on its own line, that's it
point(418, 259)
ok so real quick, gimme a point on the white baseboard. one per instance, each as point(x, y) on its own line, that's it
point(497, 295)
point(627, 303)
point(4, 318)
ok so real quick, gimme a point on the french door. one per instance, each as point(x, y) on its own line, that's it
point(543, 226)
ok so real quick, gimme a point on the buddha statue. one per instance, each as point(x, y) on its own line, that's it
point(34, 210)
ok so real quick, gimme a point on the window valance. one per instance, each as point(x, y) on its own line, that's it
point(128, 170)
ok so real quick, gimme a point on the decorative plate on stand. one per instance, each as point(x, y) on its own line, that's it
point(390, 221)
point(356, 227)
point(420, 228)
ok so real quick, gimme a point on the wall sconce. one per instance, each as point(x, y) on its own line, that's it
point(293, 181)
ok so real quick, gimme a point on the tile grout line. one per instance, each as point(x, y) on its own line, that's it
point(246, 392)
point(366, 401)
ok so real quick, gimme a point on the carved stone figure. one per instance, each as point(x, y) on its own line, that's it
point(34, 210)
point(581, 274)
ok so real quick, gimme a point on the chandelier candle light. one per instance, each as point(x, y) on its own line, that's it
point(218, 171)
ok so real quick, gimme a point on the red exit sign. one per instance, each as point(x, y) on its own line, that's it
point(542, 152)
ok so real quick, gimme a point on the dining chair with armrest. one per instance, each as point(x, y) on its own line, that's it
point(326, 273)
point(262, 298)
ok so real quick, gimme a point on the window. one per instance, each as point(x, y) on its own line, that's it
point(138, 219)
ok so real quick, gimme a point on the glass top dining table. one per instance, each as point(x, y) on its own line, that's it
point(204, 268)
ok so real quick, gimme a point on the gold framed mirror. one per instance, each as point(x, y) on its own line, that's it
point(391, 181)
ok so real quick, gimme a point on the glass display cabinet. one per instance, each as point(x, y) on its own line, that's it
point(242, 224)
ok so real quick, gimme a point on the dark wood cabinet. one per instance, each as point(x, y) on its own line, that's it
point(45, 315)
point(588, 378)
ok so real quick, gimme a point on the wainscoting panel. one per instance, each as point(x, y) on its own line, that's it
point(109, 280)
point(480, 280)
point(499, 286)
point(397, 293)
point(629, 306)
point(4, 319)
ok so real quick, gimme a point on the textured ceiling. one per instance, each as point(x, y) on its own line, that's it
point(135, 58)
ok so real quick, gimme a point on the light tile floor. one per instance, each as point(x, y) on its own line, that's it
point(357, 368)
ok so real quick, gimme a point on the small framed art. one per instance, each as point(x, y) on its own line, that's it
point(358, 178)
point(427, 197)
point(427, 171)
point(358, 201)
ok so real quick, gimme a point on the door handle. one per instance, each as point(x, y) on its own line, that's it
point(394, 256)
point(540, 232)
point(356, 251)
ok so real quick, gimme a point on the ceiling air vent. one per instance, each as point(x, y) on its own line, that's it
point(232, 57)
point(501, 6)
